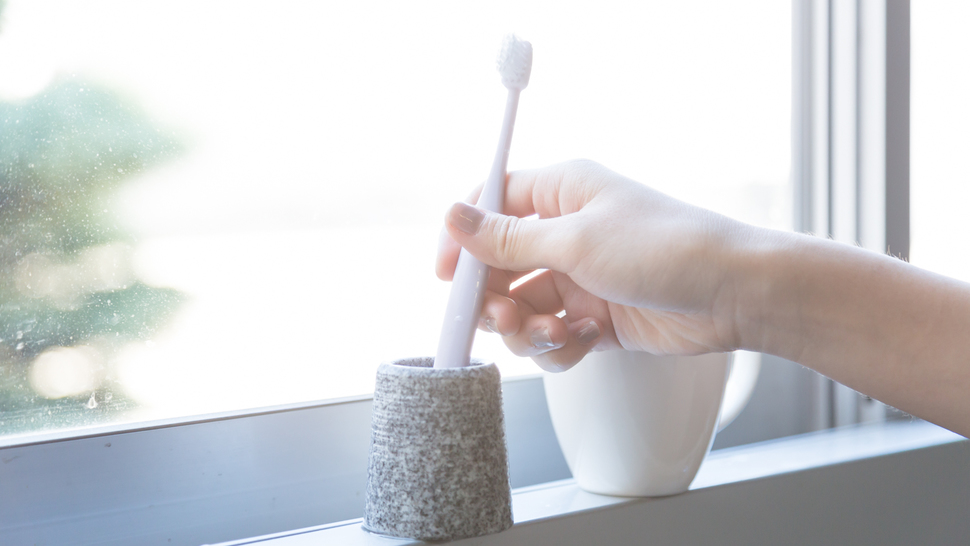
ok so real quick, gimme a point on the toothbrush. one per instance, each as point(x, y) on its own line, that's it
point(471, 275)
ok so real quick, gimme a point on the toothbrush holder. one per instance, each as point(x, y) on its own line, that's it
point(438, 465)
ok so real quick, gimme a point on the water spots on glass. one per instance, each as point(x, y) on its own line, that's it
point(69, 295)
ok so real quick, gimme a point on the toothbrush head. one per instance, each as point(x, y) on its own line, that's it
point(515, 62)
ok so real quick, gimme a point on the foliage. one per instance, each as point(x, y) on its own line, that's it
point(63, 155)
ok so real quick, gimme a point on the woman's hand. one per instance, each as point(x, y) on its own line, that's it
point(631, 267)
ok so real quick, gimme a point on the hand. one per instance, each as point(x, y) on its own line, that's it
point(631, 267)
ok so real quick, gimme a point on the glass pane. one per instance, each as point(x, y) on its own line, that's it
point(207, 207)
point(940, 139)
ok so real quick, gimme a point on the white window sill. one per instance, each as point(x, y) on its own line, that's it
point(898, 482)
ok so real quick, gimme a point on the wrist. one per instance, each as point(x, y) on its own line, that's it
point(758, 274)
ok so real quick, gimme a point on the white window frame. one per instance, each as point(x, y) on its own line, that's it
point(878, 483)
point(240, 474)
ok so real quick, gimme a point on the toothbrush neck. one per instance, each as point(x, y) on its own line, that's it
point(492, 200)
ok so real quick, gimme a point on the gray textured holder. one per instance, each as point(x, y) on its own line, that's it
point(438, 467)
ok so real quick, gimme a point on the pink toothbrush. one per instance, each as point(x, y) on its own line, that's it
point(471, 275)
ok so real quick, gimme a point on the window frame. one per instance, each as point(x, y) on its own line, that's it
point(876, 483)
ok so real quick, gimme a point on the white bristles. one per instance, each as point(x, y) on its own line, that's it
point(515, 62)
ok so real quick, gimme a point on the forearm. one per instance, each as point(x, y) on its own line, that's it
point(879, 325)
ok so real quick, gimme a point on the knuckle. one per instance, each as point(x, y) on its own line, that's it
point(507, 239)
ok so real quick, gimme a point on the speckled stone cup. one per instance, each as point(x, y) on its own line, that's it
point(438, 466)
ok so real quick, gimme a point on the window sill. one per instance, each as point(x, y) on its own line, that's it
point(898, 482)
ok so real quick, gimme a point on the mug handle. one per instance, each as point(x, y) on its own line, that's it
point(745, 367)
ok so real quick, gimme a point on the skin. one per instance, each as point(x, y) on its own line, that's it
point(624, 266)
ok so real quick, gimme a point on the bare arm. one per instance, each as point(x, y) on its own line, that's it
point(635, 269)
point(877, 324)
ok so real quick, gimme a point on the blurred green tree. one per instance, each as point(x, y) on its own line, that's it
point(65, 278)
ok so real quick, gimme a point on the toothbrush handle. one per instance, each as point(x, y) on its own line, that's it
point(461, 315)
point(471, 275)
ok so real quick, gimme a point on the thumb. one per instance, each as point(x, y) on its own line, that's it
point(509, 242)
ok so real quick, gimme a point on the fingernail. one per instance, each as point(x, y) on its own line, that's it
point(491, 324)
point(541, 340)
point(588, 333)
point(466, 218)
point(555, 368)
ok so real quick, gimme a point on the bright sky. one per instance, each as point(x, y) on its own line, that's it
point(940, 138)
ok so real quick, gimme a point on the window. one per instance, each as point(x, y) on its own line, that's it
point(211, 208)
point(940, 138)
point(249, 176)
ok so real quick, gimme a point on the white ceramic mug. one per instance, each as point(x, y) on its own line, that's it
point(636, 424)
